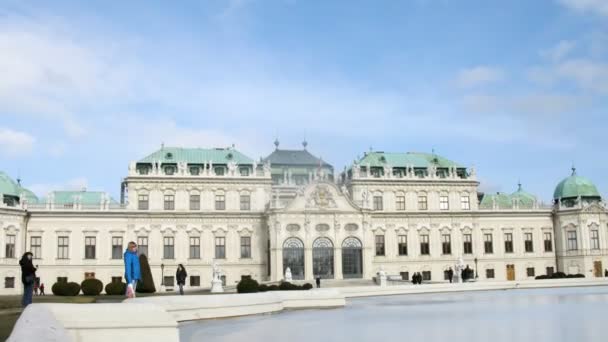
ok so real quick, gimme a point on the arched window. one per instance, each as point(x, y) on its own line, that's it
point(323, 258)
point(293, 257)
point(352, 258)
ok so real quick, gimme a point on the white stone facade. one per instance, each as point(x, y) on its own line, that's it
point(405, 224)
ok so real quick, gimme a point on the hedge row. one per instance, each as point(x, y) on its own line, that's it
point(559, 275)
point(248, 285)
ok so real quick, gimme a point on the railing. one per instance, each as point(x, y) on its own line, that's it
point(583, 252)
point(76, 207)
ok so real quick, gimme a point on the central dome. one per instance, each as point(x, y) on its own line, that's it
point(575, 186)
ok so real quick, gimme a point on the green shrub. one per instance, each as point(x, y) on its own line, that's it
point(65, 289)
point(543, 276)
point(247, 285)
point(263, 288)
point(578, 275)
point(286, 286)
point(146, 283)
point(91, 287)
point(558, 275)
point(116, 289)
point(307, 286)
point(273, 288)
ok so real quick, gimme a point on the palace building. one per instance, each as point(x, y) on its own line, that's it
point(405, 212)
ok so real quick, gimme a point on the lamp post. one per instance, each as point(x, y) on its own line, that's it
point(476, 274)
point(162, 275)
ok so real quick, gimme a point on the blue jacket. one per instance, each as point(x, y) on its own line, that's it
point(132, 270)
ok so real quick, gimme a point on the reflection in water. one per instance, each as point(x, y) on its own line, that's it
point(570, 314)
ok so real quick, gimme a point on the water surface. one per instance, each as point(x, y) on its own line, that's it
point(566, 314)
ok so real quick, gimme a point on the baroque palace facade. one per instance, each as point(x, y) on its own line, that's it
point(405, 212)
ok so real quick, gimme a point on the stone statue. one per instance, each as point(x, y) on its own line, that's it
point(232, 165)
point(255, 168)
point(365, 198)
point(356, 170)
point(267, 168)
point(132, 166)
point(216, 281)
point(388, 171)
point(345, 190)
point(458, 267)
point(288, 274)
point(382, 276)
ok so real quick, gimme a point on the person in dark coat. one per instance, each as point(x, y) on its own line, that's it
point(180, 276)
point(42, 289)
point(450, 274)
point(28, 278)
point(606, 273)
point(318, 281)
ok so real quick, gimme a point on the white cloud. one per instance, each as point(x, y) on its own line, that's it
point(479, 75)
point(587, 6)
point(73, 184)
point(15, 143)
point(559, 51)
point(587, 74)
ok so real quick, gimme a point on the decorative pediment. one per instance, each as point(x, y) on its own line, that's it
point(321, 196)
point(245, 231)
point(466, 230)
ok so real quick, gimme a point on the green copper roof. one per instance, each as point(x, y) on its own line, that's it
point(86, 197)
point(294, 157)
point(380, 159)
point(575, 186)
point(524, 199)
point(29, 196)
point(8, 186)
point(197, 156)
point(502, 200)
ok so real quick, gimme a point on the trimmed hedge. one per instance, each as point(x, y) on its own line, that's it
point(247, 285)
point(116, 289)
point(65, 289)
point(307, 286)
point(559, 275)
point(91, 287)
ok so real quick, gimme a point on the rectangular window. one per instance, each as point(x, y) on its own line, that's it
point(195, 202)
point(400, 204)
point(405, 275)
point(195, 247)
point(116, 280)
point(378, 205)
point(446, 244)
point(142, 202)
point(219, 171)
point(508, 242)
point(444, 202)
point(142, 245)
point(62, 279)
point(220, 247)
point(9, 282)
point(169, 281)
point(245, 247)
point(169, 170)
point(422, 202)
point(220, 202)
point(595, 239)
point(424, 245)
point(36, 247)
point(245, 202)
point(530, 271)
point(168, 247)
point(572, 245)
point(465, 202)
point(487, 244)
point(548, 242)
point(468, 243)
point(195, 170)
point(426, 275)
point(244, 171)
point(116, 247)
point(63, 247)
point(89, 247)
point(379, 245)
point(10, 246)
point(402, 245)
point(195, 280)
point(550, 271)
point(169, 202)
point(489, 273)
point(529, 247)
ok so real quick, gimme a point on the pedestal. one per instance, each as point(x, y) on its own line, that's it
point(382, 280)
point(216, 286)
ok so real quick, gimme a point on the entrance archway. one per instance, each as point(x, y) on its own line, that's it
point(352, 258)
point(293, 257)
point(323, 258)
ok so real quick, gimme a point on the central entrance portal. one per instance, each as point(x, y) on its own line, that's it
point(293, 257)
point(323, 258)
point(352, 258)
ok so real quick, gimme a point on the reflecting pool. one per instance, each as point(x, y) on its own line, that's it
point(565, 314)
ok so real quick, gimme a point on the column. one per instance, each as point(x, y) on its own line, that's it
point(308, 264)
point(338, 263)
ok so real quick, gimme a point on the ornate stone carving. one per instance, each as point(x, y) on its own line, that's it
point(322, 227)
point(321, 197)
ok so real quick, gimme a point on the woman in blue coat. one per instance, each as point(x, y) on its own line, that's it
point(132, 269)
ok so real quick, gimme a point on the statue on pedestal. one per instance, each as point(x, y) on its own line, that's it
point(458, 267)
point(216, 282)
point(382, 276)
point(288, 274)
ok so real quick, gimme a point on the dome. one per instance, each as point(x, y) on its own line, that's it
point(8, 186)
point(525, 199)
point(29, 196)
point(575, 186)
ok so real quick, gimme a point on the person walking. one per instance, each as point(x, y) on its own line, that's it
point(28, 278)
point(450, 274)
point(42, 289)
point(132, 269)
point(35, 288)
point(318, 281)
point(181, 275)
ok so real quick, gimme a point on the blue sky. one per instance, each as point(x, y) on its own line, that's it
point(519, 89)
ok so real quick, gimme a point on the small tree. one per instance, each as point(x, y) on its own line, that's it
point(146, 283)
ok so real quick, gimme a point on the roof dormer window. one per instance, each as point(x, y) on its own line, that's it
point(169, 155)
point(169, 170)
